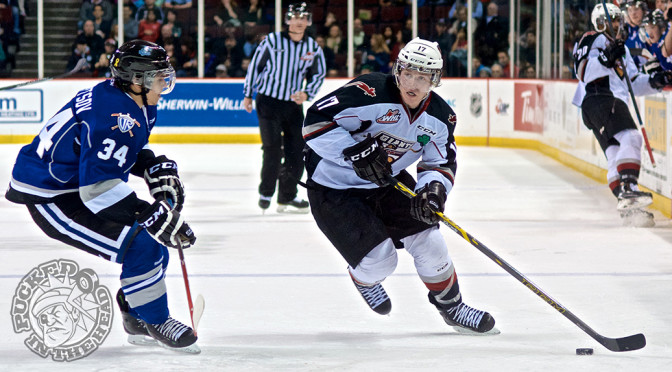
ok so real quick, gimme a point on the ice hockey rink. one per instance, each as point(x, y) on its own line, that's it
point(278, 297)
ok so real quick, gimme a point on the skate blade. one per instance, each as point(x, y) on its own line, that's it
point(636, 203)
point(141, 340)
point(292, 210)
point(469, 332)
point(191, 349)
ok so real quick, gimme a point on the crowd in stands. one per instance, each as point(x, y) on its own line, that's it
point(12, 14)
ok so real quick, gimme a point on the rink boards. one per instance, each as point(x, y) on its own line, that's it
point(534, 114)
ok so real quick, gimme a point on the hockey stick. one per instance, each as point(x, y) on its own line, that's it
point(194, 312)
point(628, 343)
point(640, 124)
point(77, 68)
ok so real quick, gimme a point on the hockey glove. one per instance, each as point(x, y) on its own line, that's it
point(369, 161)
point(163, 181)
point(661, 79)
point(166, 225)
point(429, 199)
point(613, 51)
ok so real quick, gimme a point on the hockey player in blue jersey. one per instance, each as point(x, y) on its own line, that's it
point(73, 179)
point(371, 128)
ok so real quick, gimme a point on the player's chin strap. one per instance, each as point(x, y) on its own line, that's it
point(143, 93)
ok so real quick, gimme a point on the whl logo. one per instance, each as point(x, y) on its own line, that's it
point(391, 117)
point(65, 311)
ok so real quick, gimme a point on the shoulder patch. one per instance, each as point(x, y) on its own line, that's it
point(125, 123)
point(371, 92)
point(452, 119)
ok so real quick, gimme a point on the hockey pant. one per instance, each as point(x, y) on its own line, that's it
point(431, 260)
point(143, 260)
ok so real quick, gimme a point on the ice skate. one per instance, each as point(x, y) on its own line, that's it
point(137, 332)
point(296, 206)
point(467, 320)
point(637, 218)
point(375, 296)
point(631, 198)
point(174, 335)
point(264, 203)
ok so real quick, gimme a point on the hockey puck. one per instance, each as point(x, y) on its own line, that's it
point(584, 351)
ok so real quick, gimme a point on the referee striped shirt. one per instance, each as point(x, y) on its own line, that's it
point(280, 65)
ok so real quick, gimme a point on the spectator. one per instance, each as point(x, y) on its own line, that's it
point(476, 11)
point(335, 40)
point(93, 40)
point(244, 65)
point(3, 56)
point(528, 48)
point(171, 19)
point(378, 54)
point(443, 38)
point(636, 9)
point(130, 23)
point(226, 11)
point(491, 35)
point(166, 34)
point(389, 36)
point(86, 11)
point(461, 21)
point(497, 71)
point(188, 64)
point(252, 41)
point(403, 37)
point(329, 55)
point(149, 6)
point(149, 28)
point(253, 15)
point(504, 61)
point(81, 50)
point(329, 20)
point(16, 14)
point(100, 24)
point(476, 66)
point(528, 72)
point(359, 37)
point(177, 4)
point(457, 59)
point(102, 67)
point(10, 45)
point(662, 5)
point(220, 71)
point(485, 72)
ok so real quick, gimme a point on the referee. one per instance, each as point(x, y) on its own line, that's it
point(281, 63)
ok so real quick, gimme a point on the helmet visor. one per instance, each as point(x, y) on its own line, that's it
point(413, 79)
point(160, 81)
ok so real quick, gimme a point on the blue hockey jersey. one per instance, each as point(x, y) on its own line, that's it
point(93, 140)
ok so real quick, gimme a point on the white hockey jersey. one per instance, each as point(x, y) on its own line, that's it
point(588, 67)
point(371, 105)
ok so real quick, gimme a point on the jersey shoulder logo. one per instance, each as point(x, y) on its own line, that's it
point(371, 92)
point(452, 119)
point(391, 117)
point(125, 123)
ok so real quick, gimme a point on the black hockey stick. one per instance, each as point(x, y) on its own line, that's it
point(632, 93)
point(628, 343)
point(80, 65)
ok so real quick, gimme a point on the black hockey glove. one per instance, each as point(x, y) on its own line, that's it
point(163, 181)
point(166, 225)
point(660, 79)
point(369, 161)
point(613, 51)
point(429, 199)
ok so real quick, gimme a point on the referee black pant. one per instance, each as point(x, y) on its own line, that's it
point(280, 125)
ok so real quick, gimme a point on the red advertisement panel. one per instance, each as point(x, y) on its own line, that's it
point(528, 107)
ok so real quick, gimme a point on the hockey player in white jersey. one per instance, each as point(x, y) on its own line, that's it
point(73, 179)
point(603, 96)
point(375, 126)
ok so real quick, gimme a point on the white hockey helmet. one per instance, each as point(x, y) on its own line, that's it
point(422, 56)
point(599, 17)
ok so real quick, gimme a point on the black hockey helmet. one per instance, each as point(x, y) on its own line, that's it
point(299, 10)
point(141, 62)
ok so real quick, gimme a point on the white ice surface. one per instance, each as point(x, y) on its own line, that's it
point(278, 296)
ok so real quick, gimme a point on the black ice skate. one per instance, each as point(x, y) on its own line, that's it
point(137, 332)
point(174, 335)
point(630, 198)
point(375, 296)
point(465, 319)
point(637, 218)
point(264, 203)
point(298, 206)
